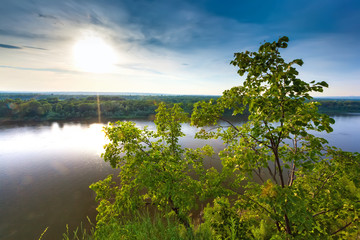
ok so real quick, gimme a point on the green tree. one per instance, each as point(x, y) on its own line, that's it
point(34, 109)
point(154, 168)
point(278, 179)
point(301, 196)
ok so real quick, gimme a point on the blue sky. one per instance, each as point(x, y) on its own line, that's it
point(177, 47)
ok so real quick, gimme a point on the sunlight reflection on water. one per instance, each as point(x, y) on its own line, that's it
point(45, 172)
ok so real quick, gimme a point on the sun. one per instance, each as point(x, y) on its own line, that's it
point(93, 54)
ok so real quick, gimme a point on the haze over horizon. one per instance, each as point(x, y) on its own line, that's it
point(170, 47)
point(85, 93)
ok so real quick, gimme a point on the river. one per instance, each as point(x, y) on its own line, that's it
point(46, 170)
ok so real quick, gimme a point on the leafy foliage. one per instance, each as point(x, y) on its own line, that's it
point(278, 179)
point(277, 141)
point(154, 169)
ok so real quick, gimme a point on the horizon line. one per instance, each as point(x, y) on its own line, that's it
point(138, 93)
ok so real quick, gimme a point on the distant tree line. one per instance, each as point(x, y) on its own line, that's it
point(339, 106)
point(87, 107)
point(37, 107)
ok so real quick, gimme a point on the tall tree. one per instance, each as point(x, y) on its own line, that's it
point(278, 141)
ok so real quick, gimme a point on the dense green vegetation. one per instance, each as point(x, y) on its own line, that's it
point(277, 181)
point(43, 107)
point(339, 106)
point(140, 227)
point(79, 107)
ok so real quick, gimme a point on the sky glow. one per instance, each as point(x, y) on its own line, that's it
point(171, 46)
point(92, 54)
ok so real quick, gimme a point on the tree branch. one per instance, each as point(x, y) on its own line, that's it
point(330, 210)
point(342, 228)
point(292, 175)
point(258, 204)
point(277, 162)
point(258, 141)
point(259, 174)
point(268, 128)
point(281, 122)
point(232, 125)
point(147, 154)
point(272, 174)
point(324, 182)
point(319, 213)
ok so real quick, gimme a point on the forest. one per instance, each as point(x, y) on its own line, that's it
point(38, 107)
point(45, 107)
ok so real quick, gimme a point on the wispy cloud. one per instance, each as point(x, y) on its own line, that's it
point(40, 69)
point(38, 48)
point(23, 34)
point(9, 46)
point(138, 67)
point(17, 47)
point(40, 15)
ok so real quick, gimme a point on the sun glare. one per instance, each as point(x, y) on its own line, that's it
point(93, 54)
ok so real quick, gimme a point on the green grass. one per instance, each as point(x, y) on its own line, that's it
point(80, 233)
point(141, 227)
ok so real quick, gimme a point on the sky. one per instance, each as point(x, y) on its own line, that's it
point(171, 46)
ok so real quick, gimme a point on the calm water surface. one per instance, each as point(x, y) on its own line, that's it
point(46, 170)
